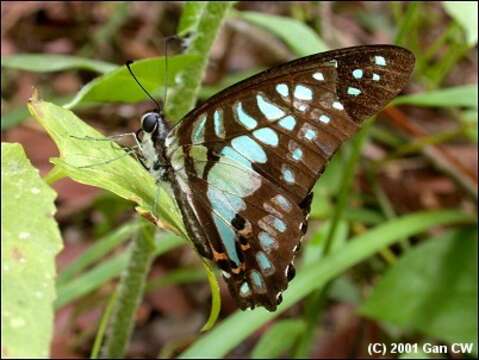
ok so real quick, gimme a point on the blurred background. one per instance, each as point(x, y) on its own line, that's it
point(420, 155)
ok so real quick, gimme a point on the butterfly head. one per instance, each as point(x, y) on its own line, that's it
point(154, 124)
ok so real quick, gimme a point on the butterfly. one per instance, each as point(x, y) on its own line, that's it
point(242, 165)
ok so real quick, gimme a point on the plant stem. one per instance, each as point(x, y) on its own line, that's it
point(208, 18)
point(129, 294)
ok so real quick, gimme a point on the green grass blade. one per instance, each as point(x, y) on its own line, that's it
point(278, 339)
point(49, 63)
point(289, 30)
point(465, 95)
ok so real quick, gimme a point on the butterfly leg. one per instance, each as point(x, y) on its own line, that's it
point(106, 138)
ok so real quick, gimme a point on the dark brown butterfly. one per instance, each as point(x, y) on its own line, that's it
point(242, 165)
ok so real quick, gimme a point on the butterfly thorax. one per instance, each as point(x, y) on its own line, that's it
point(153, 147)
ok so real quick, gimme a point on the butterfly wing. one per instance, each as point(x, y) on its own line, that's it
point(251, 155)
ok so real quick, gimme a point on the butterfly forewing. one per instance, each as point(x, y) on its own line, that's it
point(251, 154)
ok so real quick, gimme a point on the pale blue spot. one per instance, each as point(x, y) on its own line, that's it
point(379, 60)
point(318, 76)
point(245, 290)
point(245, 119)
point(199, 130)
point(288, 123)
point(324, 118)
point(310, 134)
point(218, 119)
point(249, 148)
point(282, 201)
point(227, 236)
point(231, 154)
point(297, 154)
point(267, 242)
point(353, 91)
point(282, 89)
point(269, 110)
point(288, 175)
point(376, 77)
point(265, 265)
point(279, 225)
point(302, 92)
point(358, 73)
point(257, 281)
point(225, 204)
point(338, 106)
point(267, 136)
point(226, 177)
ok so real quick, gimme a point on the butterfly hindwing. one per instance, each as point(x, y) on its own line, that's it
point(247, 231)
point(251, 154)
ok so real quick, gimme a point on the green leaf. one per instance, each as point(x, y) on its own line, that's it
point(102, 163)
point(242, 324)
point(30, 241)
point(48, 63)
point(278, 339)
point(432, 289)
point(301, 39)
point(465, 13)
point(465, 95)
point(119, 86)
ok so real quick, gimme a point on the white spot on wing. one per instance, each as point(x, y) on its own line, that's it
point(318, 76)
point(338, 106)
point(380, 60)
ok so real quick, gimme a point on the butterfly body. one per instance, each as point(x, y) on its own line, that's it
point(242, 165)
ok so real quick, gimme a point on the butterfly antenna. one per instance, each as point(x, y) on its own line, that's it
point(165, 44)
point(158, 104)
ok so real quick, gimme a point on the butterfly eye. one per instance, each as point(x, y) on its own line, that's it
point(149, 122)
